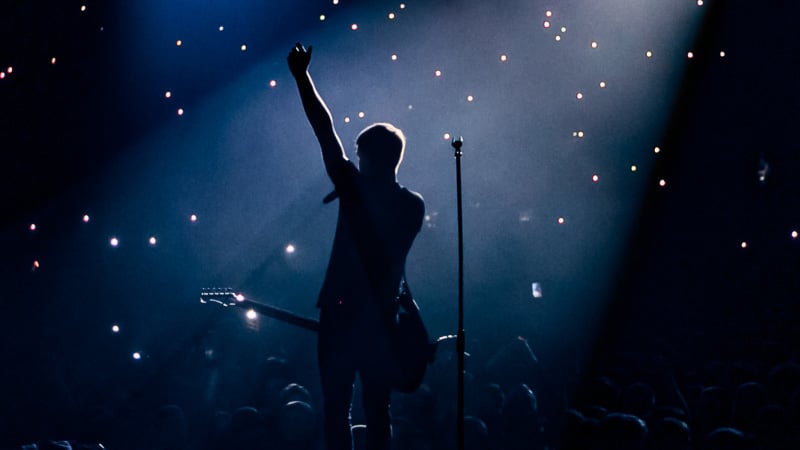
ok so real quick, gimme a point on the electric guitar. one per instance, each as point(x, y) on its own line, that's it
point(228, 297)
point(411, 350)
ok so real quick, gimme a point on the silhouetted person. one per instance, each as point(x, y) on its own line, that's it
point(378, 221)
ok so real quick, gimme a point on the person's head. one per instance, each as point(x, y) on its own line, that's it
point(380, 149)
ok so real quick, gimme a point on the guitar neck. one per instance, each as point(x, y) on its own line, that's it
point(280, 314)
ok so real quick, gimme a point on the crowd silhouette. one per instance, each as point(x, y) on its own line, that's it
point(733, 403)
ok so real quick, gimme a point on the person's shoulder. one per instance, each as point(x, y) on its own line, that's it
point(413, 196)
point(414, 200)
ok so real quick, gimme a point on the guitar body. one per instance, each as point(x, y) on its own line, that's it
point(409, 344)
point(411, 350)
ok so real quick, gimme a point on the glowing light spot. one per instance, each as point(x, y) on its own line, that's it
point(53, 60)
point(36, 264)
point(354, 27)
point(83, 8)
point(114, 242)
point(402, 6)
point(335, 2)
point(690, 55)
point(180, 111)
point(10, 69)
point(634, 168)
point(536, 290)
point(503, 58)
point(722, 54)
point(594, 44)
point(394, 57)
point(699, 2)
point(548, 13)
point(290, 249)
point(221, 28)
point(251, 314)
point(347, 119)
point(239, 297)
point(391, 16)
point(563, 29)
point(32, 227)
point(580, 134)
point(179, 42)
point(193, 218)
point(546, 24)
point(273, 83)
point(794, 234)
point(595, 178)
point(662, 182)
point(744, 244)
point(85, 218)
point(470, 98)
point(2, 75)
point(137, 356)
point(361, 114)
point(243, 47)
point(115, 328)
point(152, 241)
point(437, 73)
point(446, 136)
point(657, 150)
point(579, 96)
point(322, 17)
point(649, 54)
point(561, 220)
point(167, 94)
point(602, 85)
point(558, 38)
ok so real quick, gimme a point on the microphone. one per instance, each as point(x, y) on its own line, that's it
point(457, 142)
point(330, 197)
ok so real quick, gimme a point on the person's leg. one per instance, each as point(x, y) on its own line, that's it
point(337, 374)
point(376, 393)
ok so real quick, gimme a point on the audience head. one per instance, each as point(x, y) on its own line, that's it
point(713, 409)
point(601, 391)
point(520, 402)
point(748, 399)
point(783, 380)
point(476, 434)
point(727, 438)
point(295, 392)
point(297, 424)
point(638, 399)
point(171, 430)
point(669, 434)
point(619, 431)
point(578, 432)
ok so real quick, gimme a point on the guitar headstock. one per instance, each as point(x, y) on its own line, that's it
point(222, 296)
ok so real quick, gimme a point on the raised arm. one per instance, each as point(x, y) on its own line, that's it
point(316, 111)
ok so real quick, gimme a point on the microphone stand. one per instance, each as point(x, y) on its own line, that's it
point(460, 337)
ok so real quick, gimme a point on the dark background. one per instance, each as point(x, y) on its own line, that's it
point(636, 269)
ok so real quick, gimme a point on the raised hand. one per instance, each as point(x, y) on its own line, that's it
point(298, 59)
